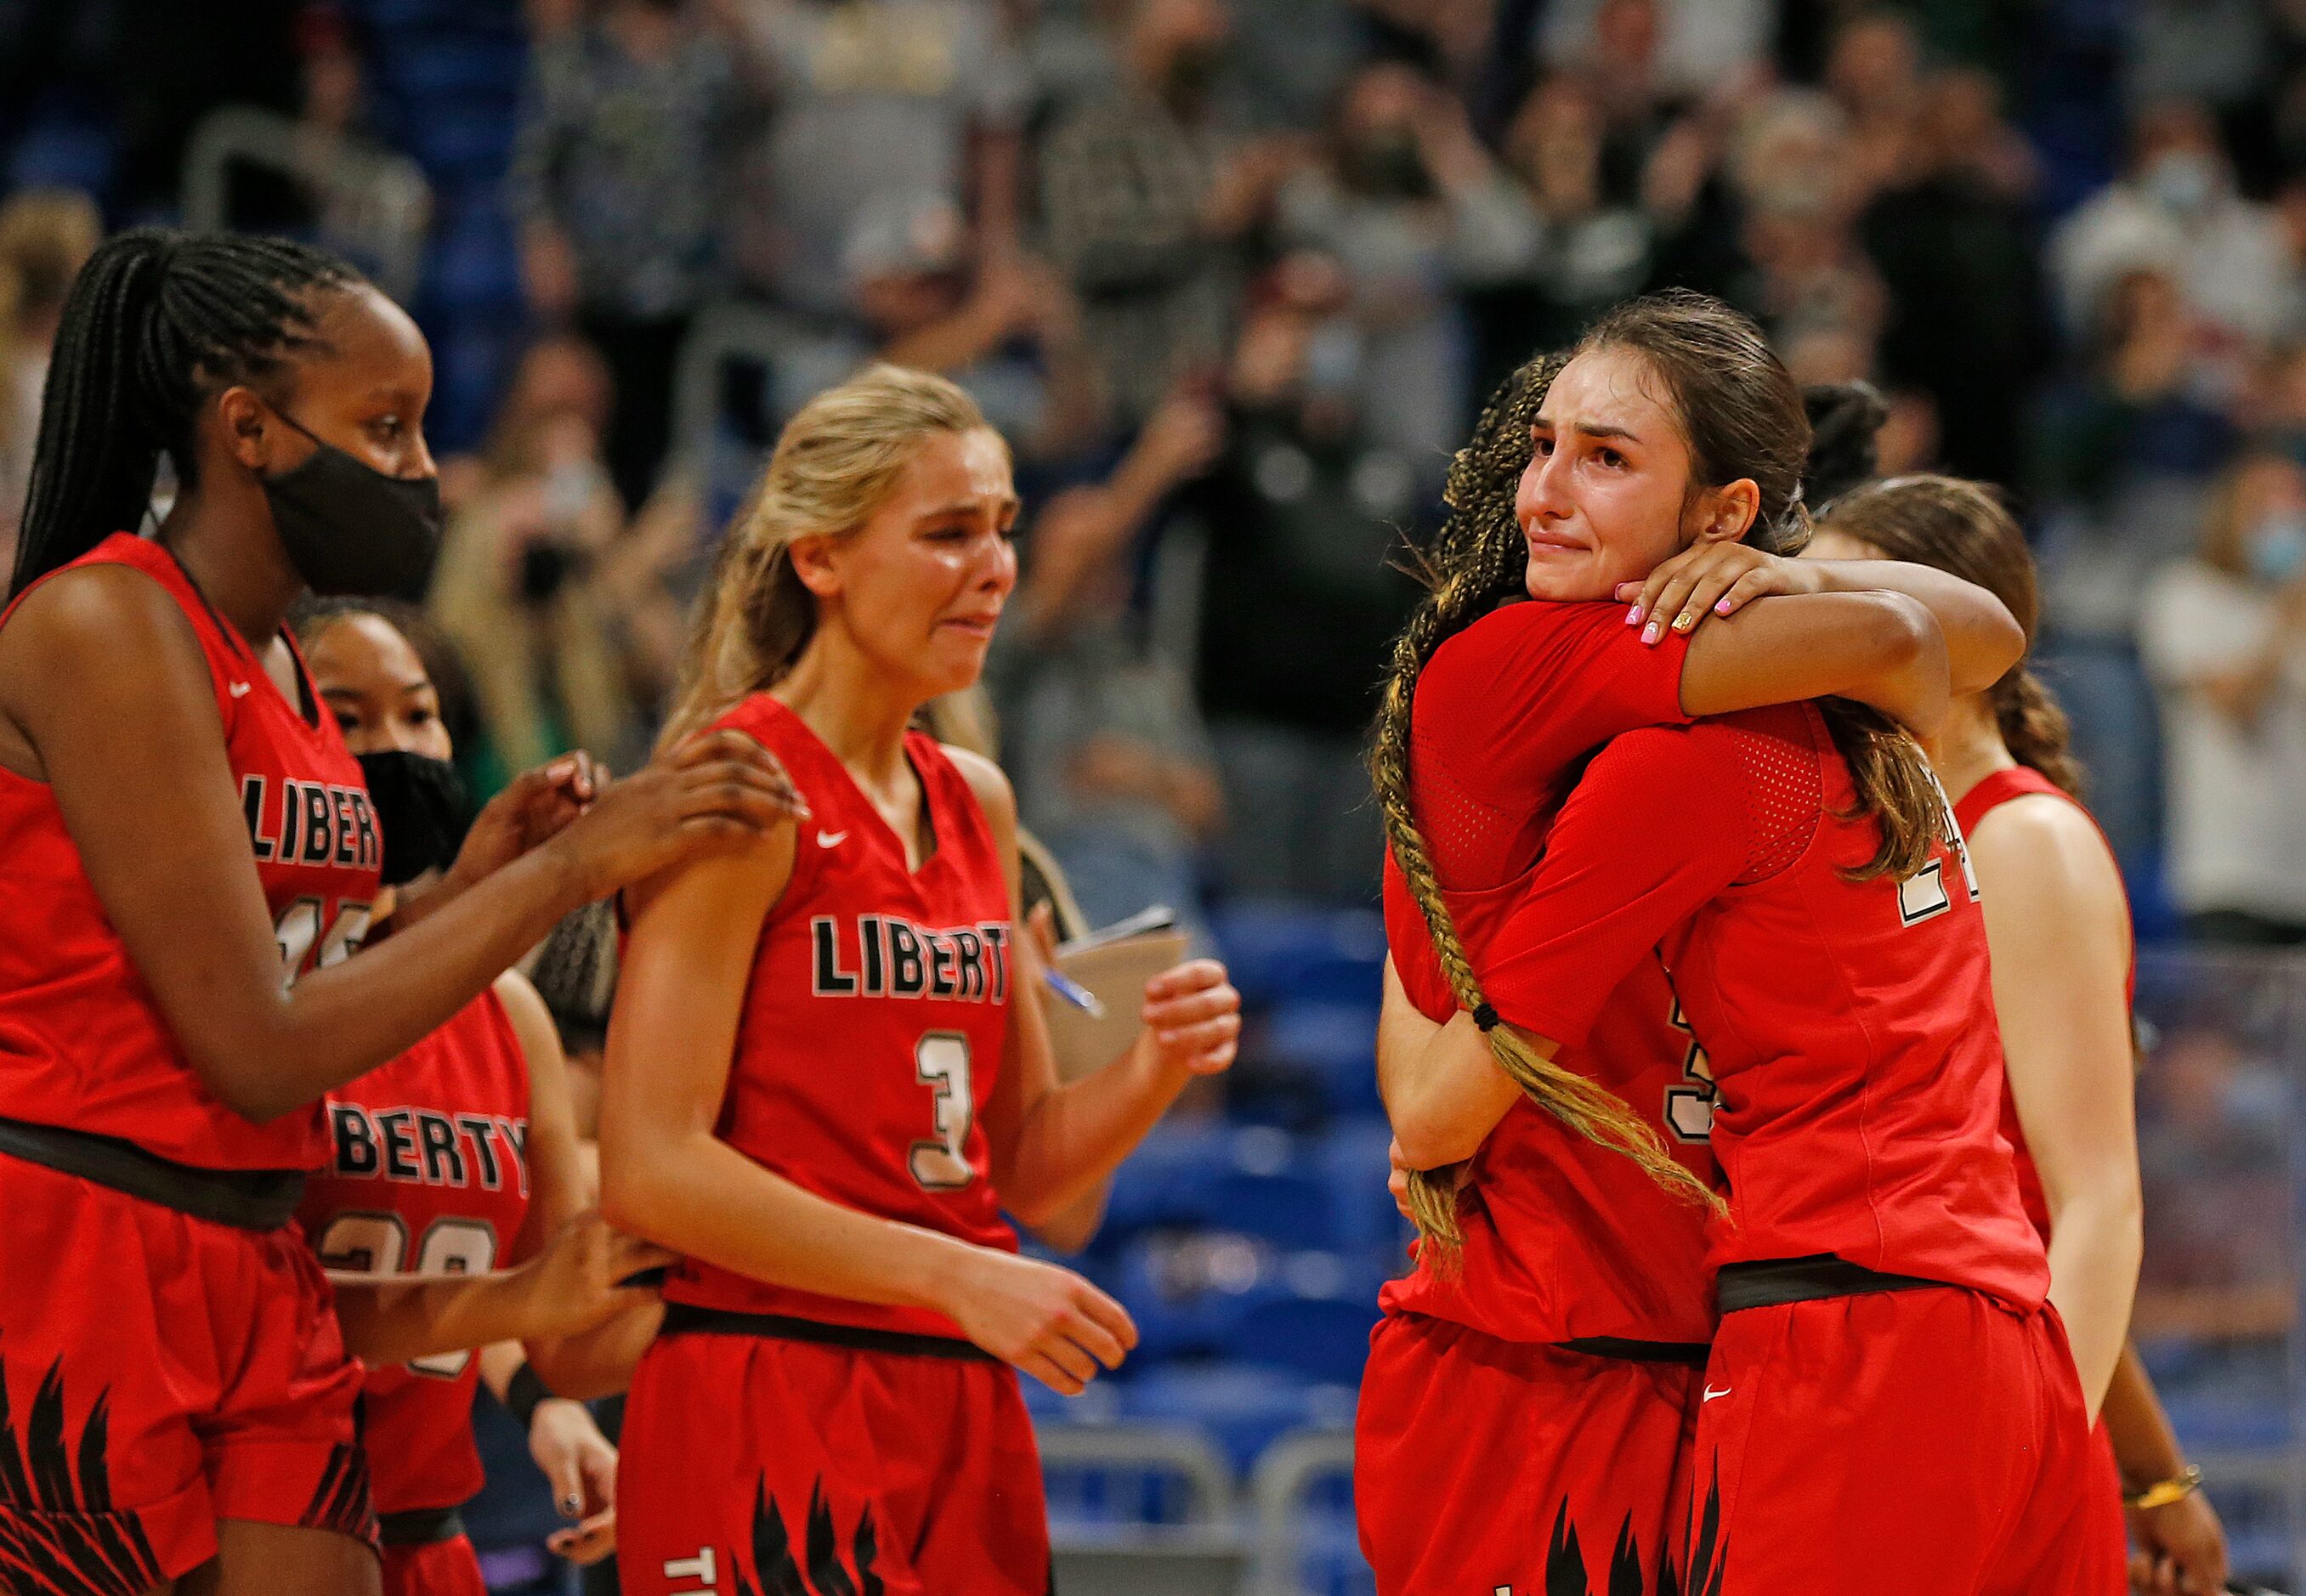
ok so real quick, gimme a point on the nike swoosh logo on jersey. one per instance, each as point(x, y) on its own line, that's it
point(239, 690)
point(831, 839)
point(1710, 1393)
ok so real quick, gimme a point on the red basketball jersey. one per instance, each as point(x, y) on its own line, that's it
point(874, 1020)
point(1979, 801)
point(1564, 1240)
point(427, 1173)
point(1849, 1025)
point(82, 1043)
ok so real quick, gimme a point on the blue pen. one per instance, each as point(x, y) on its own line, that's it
point(1072, 992)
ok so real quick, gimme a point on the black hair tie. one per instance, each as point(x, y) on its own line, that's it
point(1485, 1016)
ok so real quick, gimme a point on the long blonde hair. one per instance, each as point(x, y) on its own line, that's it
point(834, 462)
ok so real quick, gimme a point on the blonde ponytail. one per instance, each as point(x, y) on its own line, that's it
point(834, 462)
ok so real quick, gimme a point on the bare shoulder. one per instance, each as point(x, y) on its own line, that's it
point(92, 611)
point(2047, 849)
point(986, 780)
point(524, 1006)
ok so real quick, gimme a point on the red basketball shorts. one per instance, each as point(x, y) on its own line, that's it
point(448, 1568)
point(1915, 1443)
point(755, 1463)
point(158, 1373)
point(1482, 1466)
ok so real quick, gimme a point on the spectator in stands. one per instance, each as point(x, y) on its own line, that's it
point(1689, 48)
point(45, 234)
point(2177, 210)
point(1873, 70)
point(2224, 637)
point(518, 587)
point(1416, 210)
point(1300, 599)
point(1003, 326)
point(1112, 763)
point(1948, 231)
point(871, 98)
point(1795, 170)
point(2123, 450)
point(1589, 249)
point(619, 175)
point(1144, 194)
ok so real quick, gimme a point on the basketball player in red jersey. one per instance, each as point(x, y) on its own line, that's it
point(192, 854)
point(2058, 923)
point(1568, 1327)
point(1882, 1293)
point(459, 1159)
point(826, 1075)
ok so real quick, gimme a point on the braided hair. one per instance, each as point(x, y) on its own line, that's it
point(1742, 417)
point(155, 323)
point(1477, 559)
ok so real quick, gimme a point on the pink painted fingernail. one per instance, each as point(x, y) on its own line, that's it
point(1633, 616)
point(1721, 608)
point(1649, 633)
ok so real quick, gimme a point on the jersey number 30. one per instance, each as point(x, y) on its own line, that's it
point(941, 1061)
point(377, 1245)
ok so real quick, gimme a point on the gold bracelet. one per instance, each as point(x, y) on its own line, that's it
point(2185, 1483)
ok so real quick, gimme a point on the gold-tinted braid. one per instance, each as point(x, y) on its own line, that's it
point(1478, 558)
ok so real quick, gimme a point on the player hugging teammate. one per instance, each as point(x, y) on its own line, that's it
point(1593, 822)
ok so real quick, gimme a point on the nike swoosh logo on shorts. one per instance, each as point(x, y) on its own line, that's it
point(1710, 1393)
point(831, 839)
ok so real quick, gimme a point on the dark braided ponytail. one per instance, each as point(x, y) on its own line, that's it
point(1478, 558)
point(1963, 528)
point(155, 323)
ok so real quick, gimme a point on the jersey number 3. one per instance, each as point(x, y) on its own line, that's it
point(941, 1061)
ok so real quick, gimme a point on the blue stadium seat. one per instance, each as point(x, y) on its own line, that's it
point(1244, 1406)
point(1332, 1042)
point(1318, 1324)
point(1277, 949)
point(1354, 1166)
point(1188, 1293)
point(1100, 1404)
point(1163, 1180)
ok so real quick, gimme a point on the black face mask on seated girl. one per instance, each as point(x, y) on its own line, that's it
point(348, 528)
point(420, 808)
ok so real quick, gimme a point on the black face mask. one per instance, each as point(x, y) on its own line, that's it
point(348, 528)
point(421, 809)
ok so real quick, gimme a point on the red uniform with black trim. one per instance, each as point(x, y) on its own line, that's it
point(427, 1173)
point(873, 1025)
point(161, 1371)
point(1525, 1423)
point(2107, 1528)
point(1929, 1440)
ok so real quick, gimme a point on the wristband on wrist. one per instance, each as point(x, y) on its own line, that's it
point(2184, 1483)
point(523, 1392)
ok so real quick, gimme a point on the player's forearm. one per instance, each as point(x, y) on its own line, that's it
point(388, 1323)
point(1443, 1090)
point(700, 1197)
point(598, 1362)
point(339, 1022)
point(2145, 1446)
point(1982, 639)
point(2097, 1240)
point(1079, 1133)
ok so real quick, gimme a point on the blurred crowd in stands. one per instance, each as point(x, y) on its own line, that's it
point(1233, 276)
